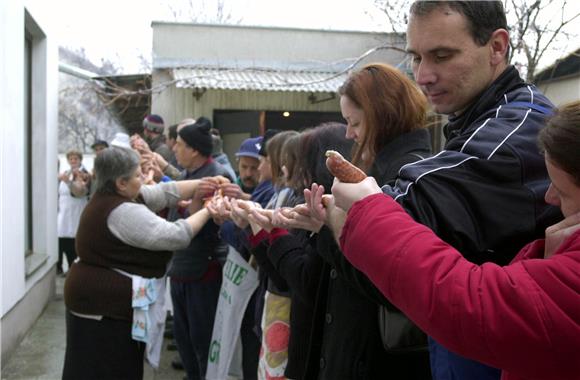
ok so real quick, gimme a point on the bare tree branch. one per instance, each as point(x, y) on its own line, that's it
point(533, 30)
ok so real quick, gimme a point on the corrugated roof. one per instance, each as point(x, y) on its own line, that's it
point(258, 80)
point(563, 67)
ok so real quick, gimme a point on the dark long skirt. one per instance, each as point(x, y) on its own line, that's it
point(101, 350)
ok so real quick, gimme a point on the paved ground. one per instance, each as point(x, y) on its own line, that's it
point(41, 353)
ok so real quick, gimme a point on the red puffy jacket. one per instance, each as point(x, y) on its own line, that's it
point(523, 318)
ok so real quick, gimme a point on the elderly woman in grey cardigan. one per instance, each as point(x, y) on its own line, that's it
point(113, 291)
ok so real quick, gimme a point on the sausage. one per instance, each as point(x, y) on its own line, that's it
point(216, 196)
point(343, 170)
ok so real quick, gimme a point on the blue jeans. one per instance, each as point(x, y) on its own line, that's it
point(194, 307)
point(446, 365)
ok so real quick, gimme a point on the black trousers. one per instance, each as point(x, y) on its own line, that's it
point(250, 342)
point(194, 308)
point(101, 350)
point(66, 245)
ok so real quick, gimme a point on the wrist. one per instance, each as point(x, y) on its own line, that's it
point(255, 228)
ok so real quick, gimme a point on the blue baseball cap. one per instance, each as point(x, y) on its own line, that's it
point(250, 148)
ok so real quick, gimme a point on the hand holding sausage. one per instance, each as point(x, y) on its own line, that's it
point(343, 170)
point(345, 194)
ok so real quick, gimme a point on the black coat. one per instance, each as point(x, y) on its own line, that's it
point(291, 261)
point(344, 340)
point(346, 311)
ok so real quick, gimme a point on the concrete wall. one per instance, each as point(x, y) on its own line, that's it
point(562, 90)
point(27, 281)
point(247, 44)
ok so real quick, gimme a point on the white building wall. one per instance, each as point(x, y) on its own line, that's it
point(27, 281)
point(562, 90)
point(247, 45)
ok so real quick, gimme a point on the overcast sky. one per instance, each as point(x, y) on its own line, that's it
point(120, 30)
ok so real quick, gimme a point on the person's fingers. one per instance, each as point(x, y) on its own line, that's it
point(252, 219)
point(327, 200)
point(221, 179)
point(288, 212)
point(312, 198)
point(212, 210)
point(235, 208)
point(307, 197)
point(277, 218)
point(259, 218)
point(228, 202)
point(221, 207)
point(209, 181)
point(240, 213)
point(236, 205)
point(184, 203)
point(280, 216)
point(231, 191)
point(319, 194)
point(317, 208)
point(570, 221)
point(302, 210)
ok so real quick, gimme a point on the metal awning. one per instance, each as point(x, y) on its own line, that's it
point(258, 79)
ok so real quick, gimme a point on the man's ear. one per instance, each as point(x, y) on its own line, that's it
point(498, 44)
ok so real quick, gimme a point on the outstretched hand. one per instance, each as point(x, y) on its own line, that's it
point(558, 233)
point(139, 144)
point(260, 219)
point(219, 209)
point(313, 198)
point(297, 217)
point(148, 164)
point(345, 194)
point(206, 188)
point(241, 211)
point(231, 190)
point(148, 179)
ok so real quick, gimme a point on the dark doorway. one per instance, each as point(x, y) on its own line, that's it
point(236, 125)
point(290, 120)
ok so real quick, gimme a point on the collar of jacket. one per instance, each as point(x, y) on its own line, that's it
point(508, 80)
point(188, 174)
point(414, 141)
point(155, 142)
point(263, 192)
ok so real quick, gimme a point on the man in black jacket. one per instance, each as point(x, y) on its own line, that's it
point(483, 193)
point(196, 271)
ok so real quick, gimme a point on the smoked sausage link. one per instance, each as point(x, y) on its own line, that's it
point(342, 169)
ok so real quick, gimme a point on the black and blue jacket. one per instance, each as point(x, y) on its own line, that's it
point(484, 193)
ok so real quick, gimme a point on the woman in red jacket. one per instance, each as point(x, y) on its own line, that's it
point(524, 317)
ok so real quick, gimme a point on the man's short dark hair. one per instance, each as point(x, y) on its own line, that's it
point(483, 17)
point(172, 132)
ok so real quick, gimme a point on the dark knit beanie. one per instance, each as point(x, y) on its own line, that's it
point(154, 123)
point(198, 136)
point(267, 136)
